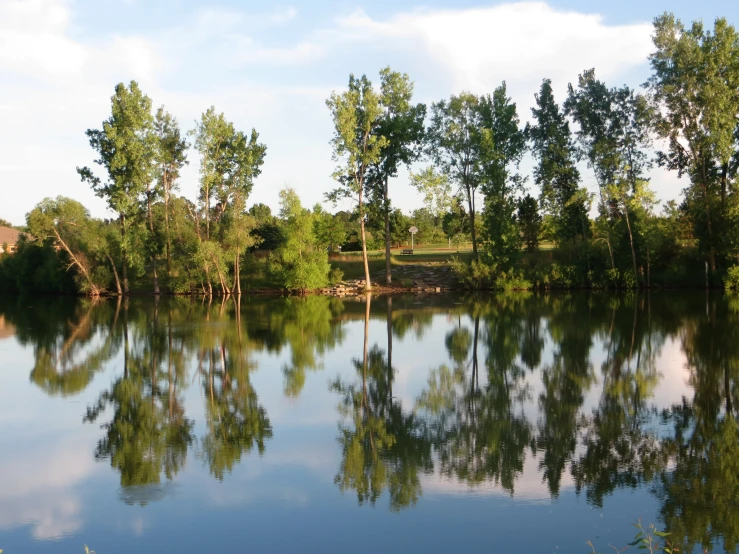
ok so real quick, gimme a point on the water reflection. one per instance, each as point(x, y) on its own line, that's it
point(566, 381)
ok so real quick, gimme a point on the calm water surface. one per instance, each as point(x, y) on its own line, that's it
point(516, 423)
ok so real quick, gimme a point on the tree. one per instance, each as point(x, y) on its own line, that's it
point(171, 157)
point(330, 230)
point(614, 135)
point(357, 145)
point(301, 263)
point(455, 222)
point(529, 221)
point(67, 222)
point(230, 161)
point(694, 89)
point(436, 191)
point(556, 174)
point(454, 140)
point(401, 123)
point(503, 143)
point(126, 150)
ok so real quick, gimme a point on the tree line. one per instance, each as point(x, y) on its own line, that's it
point(465, 156)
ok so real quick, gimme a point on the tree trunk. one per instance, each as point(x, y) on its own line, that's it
point(388, 269)
point(151, 230)
point(124, 255)
point(237, 272)
point(470, 202)
point(168, 238)
point(367, 283)
point(115, 274)
point(631, 242)
point(94, 290)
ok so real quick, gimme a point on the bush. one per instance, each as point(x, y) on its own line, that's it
point(731, 280)
point(336, 275)
point(481, 275)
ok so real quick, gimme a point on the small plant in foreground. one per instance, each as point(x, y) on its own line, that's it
point(649, 539)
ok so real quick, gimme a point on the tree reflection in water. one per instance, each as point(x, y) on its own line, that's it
point(518, 369)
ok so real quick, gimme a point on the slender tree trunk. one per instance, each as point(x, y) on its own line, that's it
point(471, 203)
point(631, 243)
point(237, 271)
point(367, 283)
point(124, 255)
point(150, 217)
point(711, 252)
point(94, 290)
point(115, 274)
point(649, 269)
point(207, 213)
point(388, 269)
point(168, 238)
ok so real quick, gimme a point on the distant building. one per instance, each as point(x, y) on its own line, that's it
point(9, 238)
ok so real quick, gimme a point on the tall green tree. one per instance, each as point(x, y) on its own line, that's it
point(230, 161)
point(455, 146)
point(556, 174)
point(126, 149)
point(171, 157)
point(614, 136)
point(357, 145)
point(401, 123)
point(694, 89)
point(503, 143)
point(529, 221)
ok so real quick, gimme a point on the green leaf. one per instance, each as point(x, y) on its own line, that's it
point(661, 534)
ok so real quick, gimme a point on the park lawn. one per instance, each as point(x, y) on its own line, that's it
point(428, 255)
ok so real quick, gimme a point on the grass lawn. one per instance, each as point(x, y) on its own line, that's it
point(351, 262)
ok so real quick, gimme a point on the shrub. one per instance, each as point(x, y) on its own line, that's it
point(731, 280)
point(336, 275)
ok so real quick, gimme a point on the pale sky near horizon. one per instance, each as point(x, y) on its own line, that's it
point(272, 65)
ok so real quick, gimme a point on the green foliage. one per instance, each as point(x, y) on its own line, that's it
point(37, 267)
point(301, 263)
point(435, 188)
point(336, 275)
point(529, 221)
point(561, 197)
point(731, 280)
point(695, 97)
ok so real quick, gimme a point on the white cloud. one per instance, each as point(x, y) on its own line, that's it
point(281, 17)
point(250, 67)
point(33, 40)
point(38, 490)
point(518, 42)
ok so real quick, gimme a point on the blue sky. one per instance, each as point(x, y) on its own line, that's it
point(271, 66)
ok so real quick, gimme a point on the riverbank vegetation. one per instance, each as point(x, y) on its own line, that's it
point(465, 157)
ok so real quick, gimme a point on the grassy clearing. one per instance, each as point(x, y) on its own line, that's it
point(352, 266)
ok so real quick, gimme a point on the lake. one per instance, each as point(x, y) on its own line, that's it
point(511, 423)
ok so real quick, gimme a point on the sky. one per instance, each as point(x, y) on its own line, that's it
point(271, 66)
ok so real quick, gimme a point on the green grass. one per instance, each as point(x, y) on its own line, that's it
point(353, 267)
